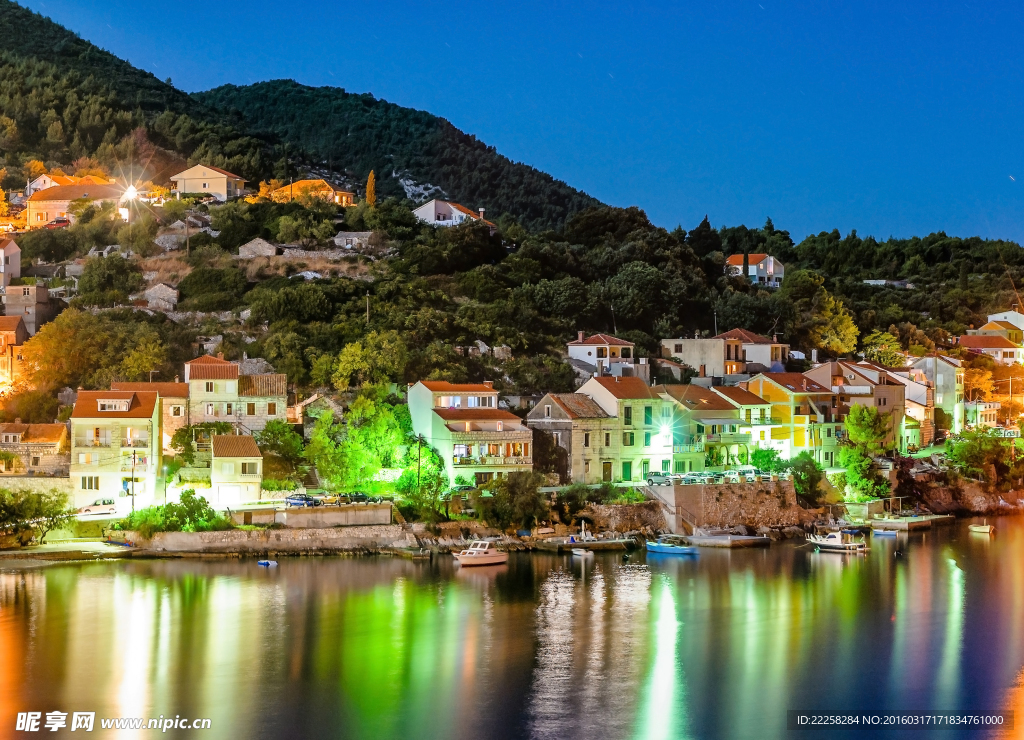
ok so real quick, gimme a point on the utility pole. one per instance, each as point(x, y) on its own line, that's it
point(133, 480)
point(367, 308)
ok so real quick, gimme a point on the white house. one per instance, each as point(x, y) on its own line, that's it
point(762, 269)
point(603, 354)
point(1000, 349)
point(236, 470)
point(214, 181)
point(447, 213)
point(1012, 316)
point(10, 265)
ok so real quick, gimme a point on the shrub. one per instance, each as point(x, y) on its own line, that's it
point(191, 514)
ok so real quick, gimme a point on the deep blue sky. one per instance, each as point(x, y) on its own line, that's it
point(892, 118)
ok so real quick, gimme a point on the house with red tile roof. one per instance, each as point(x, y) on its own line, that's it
point(449, 213)
point(762, 269)
point(320, 189)
point(603, 354)
point(115, 448)
point(870, 385)
point(203, 178)
point(45, 205)
point(804, 416)
point(219, 391)
point(13, 334)
point(477, 441)
point(998, 347)
point(236, 470)
point(39, 449)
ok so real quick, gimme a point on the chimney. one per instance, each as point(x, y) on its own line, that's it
point(175, 378)
point(481, 214)
point(617, 378)
point(17, 420)
point(805, 383)
point(579, 336)
point(489, 383)
point(220, 355)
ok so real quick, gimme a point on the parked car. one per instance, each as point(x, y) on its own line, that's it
point(659, 479)
point(359, 498)
point(100, 506)
point(61, 222)
point(302, 499)
point(333, 499)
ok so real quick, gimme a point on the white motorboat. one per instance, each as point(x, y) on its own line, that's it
point(837, 542)
point(981, 528)
point(481, 552)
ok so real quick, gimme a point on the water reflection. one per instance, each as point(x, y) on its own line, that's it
point(717, 647)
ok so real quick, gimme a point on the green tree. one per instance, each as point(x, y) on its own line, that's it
point(517, 501)
point(378, 358)
point(768, 459)
point(109, 280)
point(883, 348)
point(34, 512)
point(867, 428)
point(861, 473)
point(281, 439)
point(979, 454)
point(184, 438)
point(807, 476)
point(833, 329)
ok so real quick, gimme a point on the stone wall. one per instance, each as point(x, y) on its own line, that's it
point(339, 539)
point(761, 504)
point(37, 483)
point(347, 515)
point(970, 497)
point(626, 517)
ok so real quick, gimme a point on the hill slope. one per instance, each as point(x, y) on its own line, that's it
point(358, 133)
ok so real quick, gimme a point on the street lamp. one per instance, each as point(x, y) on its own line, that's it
point(129, 195)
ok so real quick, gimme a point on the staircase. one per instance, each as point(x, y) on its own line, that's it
point(680, 519)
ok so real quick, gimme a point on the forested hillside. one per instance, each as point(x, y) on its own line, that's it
point(358, 133)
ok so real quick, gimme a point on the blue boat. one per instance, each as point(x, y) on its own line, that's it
point(883, 532)
point(670, 544)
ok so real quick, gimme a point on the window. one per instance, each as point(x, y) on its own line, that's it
point(501, 426)
point(828, 432)
point(547, 411)
point(206, 185)
point(607, 439)
point(558, 438)
point(462, 450)
point(586, 439)
point(627, 471)
point(250, 468)
point(602, 352)
point(627, 439)
point(677, 348)
point(209, 387)
point(647, 439)
point(227, 409)
point(10, 439)
point(90, 483)
point(209, 409)
point(115, 405)
point(175, 410)
point(586, 466)
point(250, 409)
point(648, 415)
point(272, 409)
point(493, 450)
point(627, 413)
point(626, 353)
point(35, 461)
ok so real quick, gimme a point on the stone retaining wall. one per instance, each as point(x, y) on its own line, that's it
point(761, 504)
point(626, 517)
point(347, 539)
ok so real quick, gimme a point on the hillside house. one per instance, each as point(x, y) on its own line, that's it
point(803, 417)
point(1000, 329)
point(41, 449)
point(946, 374)
point(320, 189)
point(998, 347)
point(715, 357)
point(10, 263)
point(219, 392)
point(115, 448)
point(161, 297)
point(982, 414)
point(236, 470)
point(762, 269)
point(578, 425)
point(208, 180)
point(448, 213)
point(13, 335)
point(477, 441)
point(45, 205)
point(856, 384)
point(33, 303)
point(357, 241)
point(769, 354)
point(257, 248)
point(603, 354)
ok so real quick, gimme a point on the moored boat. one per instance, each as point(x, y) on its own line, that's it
point(266, 563)
point(481, 552)
point(671, 545)
point(836, 542)
point(883, 532)
point(981, 528)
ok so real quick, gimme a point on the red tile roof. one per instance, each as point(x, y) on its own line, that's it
point(602, 339)
point(468, 212)
point(577, 406)
point(626, 388)
point(166, 390)
point(141, 404)
point(224, 172)
point(476, 415)
point(234, 445)
point(213, 372)
point(739, 395)
point(10, 323)
point(697, 398)
point(752, 259)
point(796, 382)
point(263, 386)
point(443, 386)
point(991, 341)
point(79, 190)
point(36, 433)
point(747, 337)
point(209, 360)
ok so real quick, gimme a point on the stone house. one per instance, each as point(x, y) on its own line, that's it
point(41, 449)
point(208, 180)
point(219, 392)
point(33, 303)
point(257, 248)
point(13, 334)
point(577, 425)
point(161, 297)
point(357, 241)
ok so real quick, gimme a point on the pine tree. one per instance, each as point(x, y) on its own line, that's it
point(371, 190)
point(3, 203)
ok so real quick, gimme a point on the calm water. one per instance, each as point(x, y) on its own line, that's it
point(719, 647)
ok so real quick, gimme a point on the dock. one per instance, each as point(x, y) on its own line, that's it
point(560, 545)
point(913, 523)
point(728, 540)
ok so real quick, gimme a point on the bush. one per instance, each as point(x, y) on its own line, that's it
point(807, 475)
point(272, 484)
point(191, 514)
point(515, 500)
point(28, 511)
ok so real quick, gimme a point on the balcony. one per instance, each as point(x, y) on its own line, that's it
point(764, 421)
point(694, 447)
point(135, 443)
point(126, 467)
point(489, 460)
point(90, 442)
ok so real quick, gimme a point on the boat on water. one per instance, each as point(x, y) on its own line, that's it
point(837, 542)
point(481, 552)
point(266, 563)
point(669, 544)
point(883, 532)
point(981, 528)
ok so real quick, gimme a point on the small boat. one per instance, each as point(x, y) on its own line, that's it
point(835, 542)
point(981, 528)
point(883, 532)
point(481, 552)
point(267, 563)
point(669, 544)
point(579, 552)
